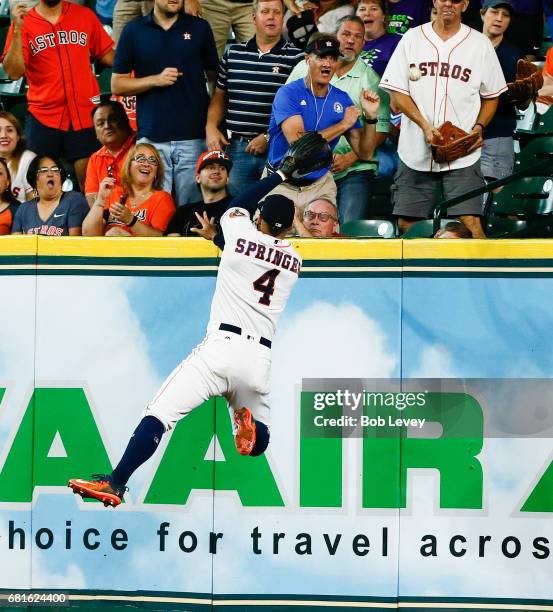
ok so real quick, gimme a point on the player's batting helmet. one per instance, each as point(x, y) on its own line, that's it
point(277, 211)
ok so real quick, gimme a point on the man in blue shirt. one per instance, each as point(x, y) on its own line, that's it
point(313, 104)
point(170, 54)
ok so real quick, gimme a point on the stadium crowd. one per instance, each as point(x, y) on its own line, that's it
point(190, 120)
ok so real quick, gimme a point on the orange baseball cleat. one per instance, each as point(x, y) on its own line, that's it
point(244, 438)
point(100, 487)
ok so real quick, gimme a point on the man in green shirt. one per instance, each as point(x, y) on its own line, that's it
point(353, 177)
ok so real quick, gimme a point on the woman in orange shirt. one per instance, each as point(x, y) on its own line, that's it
point(140, 207)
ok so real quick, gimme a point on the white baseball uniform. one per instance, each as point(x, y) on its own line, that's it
point(446, 80)
point(256, 275)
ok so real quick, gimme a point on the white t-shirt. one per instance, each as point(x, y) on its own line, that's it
point(328, 22)
point(256, 275)
point(20, 186)
point(446, 81)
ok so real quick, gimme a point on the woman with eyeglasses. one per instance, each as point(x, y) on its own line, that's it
point(140, 207)
point(14, 150)
point(53, 212)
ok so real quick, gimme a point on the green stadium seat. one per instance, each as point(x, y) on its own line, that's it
point(532, 125)
point(526, 119)
point(17, 105)
point(544, 124)
point(369, 228)
point(545, 45)
point(523, 208)
point(104, 81)
point(423, 229)
point(535, 152)
point(4, 15)
point(3, 35)
point(500, 227)
point(70, 182)
point(527, 197)
point(7, 86)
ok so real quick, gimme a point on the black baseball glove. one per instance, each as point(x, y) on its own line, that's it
point(309, 153)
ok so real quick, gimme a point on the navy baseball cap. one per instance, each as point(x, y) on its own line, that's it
point(325, 45)
point(278, 211)
point(499, 3)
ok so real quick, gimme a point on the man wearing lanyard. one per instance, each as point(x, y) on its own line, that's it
point(313, 104)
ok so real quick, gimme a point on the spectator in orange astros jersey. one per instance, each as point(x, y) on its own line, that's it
point(53, 44)
point(114, 132)
point(139, 207)
point(8, 202)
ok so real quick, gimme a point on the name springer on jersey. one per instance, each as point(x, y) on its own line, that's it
point(269, 254)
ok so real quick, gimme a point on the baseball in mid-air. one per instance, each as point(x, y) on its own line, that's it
point(414, 73)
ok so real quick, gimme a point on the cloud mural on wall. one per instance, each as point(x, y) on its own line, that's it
point(100, 340)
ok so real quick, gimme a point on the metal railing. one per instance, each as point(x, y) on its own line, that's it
point(439, 210)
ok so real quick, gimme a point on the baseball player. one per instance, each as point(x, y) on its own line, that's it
point(257, 272)
point(52, 45)
point(441, 71)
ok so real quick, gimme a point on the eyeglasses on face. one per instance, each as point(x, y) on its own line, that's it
point(323, 216)
point(46, 169)
point(452, 1)
point(142, 159)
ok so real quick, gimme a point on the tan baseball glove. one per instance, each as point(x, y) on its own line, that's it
point(529, 80)
point(455, 143)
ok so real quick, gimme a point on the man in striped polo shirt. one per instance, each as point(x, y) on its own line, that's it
point(249, 76)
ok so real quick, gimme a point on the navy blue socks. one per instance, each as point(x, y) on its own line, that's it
point(146, 438)
point(141, 447)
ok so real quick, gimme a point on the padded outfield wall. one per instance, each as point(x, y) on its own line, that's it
point(457, 515)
